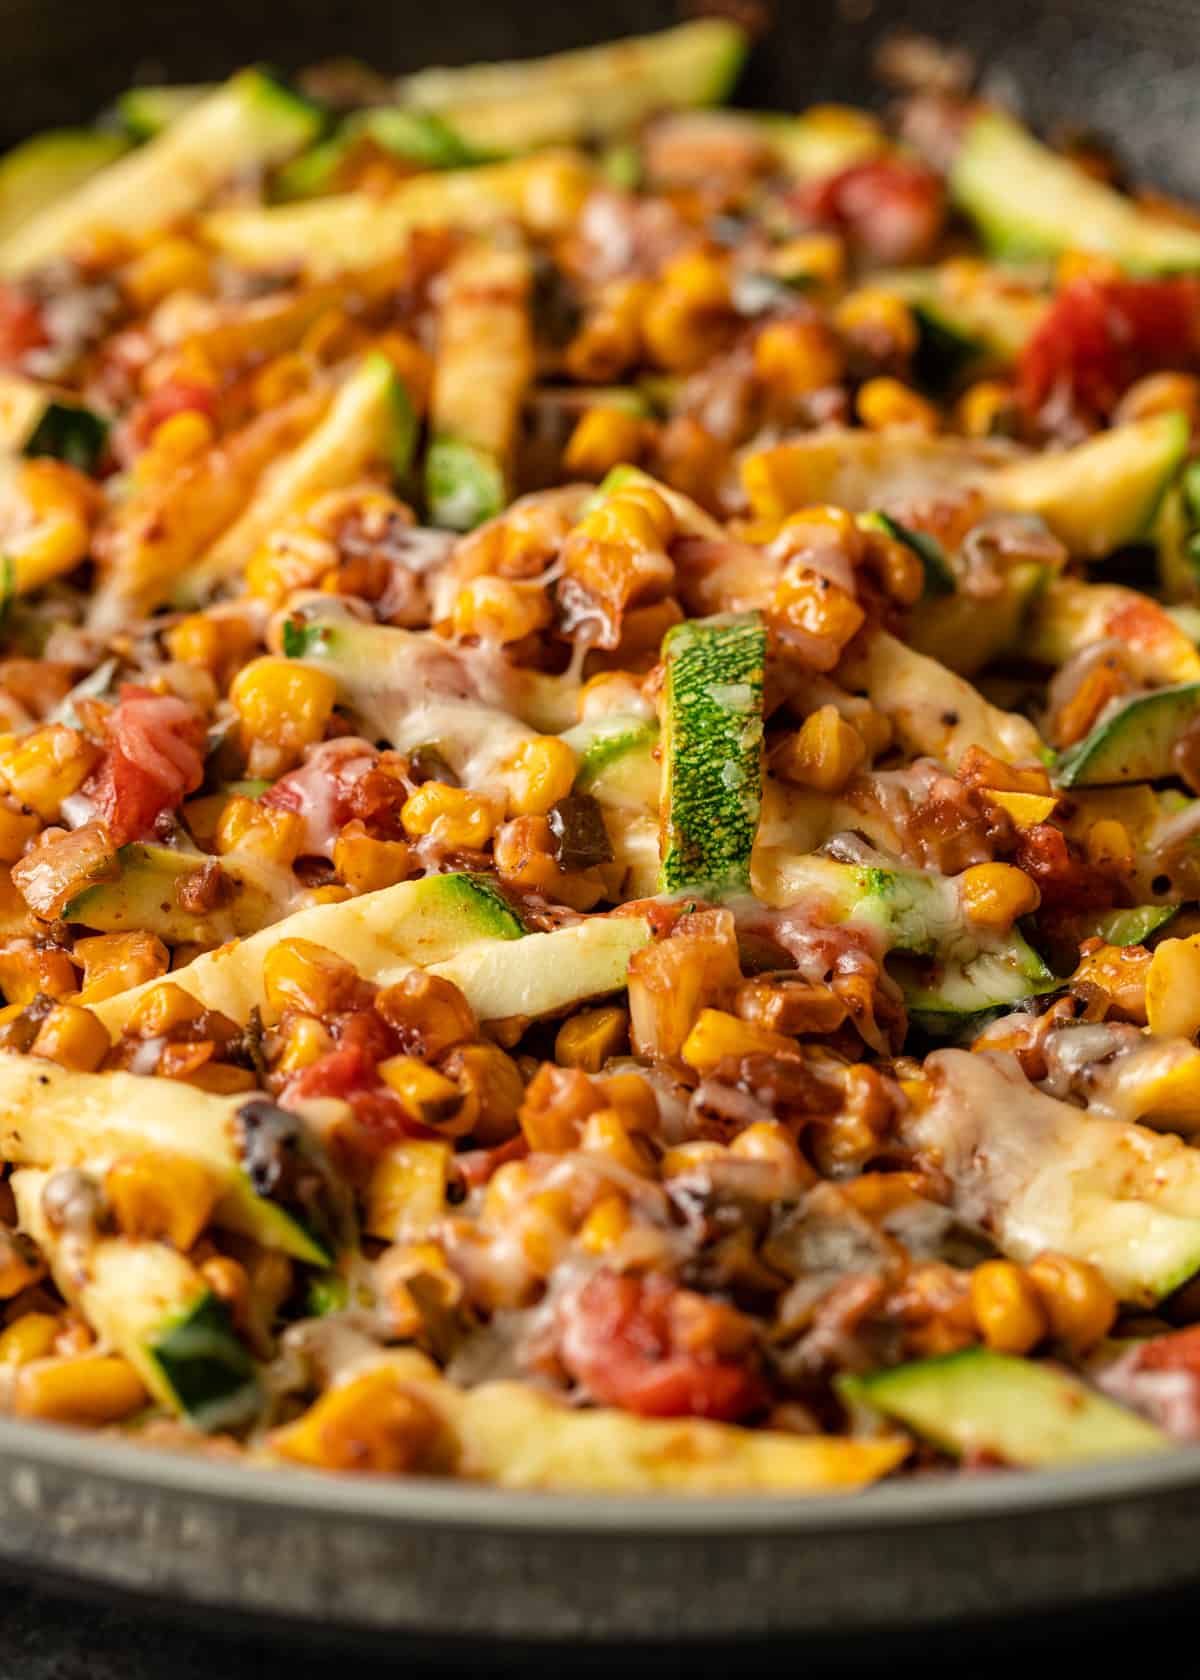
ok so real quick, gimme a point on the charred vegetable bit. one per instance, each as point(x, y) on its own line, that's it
point(599, 781)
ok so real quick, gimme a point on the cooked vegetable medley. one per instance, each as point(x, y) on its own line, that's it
point(599, 781)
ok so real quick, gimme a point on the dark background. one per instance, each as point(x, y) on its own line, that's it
point(1125, 66)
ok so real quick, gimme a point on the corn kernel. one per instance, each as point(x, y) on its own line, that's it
point(406, 1194)
point(454, 817)
point(496, 610)
point(221, 1079)
point(299, 974)
point(507, 1190)
point(1107, 844)
point(810, 607)
point(304, 1040)
point(822, 754)
point(1025, 809)
point(176, 440)
point(45, 767)
point(283, 703)
point(27, 969)
point(1160, 393)
point(265, 830)
point(588, 1039)
point(691, 1157)
point(196, 640)
point(369, 1423)
point(17, 829)
point(603, 438)
point(1007, 1308)
point(1078, 1300)
point(73, 1037)
point(87, 1388)
point(32, 1336)
point(284, 377)
point(116, 962)
point(538, 775)
point(159, 1196)
point(994, 895)
point(874, 313)
point(556, 1103)
point(492, 1091)
point(718, 1034)
point(985, 408)
point(160, 1010)
point(687, 317)
point(1085, 265)
point(884, 403)
point(20, 1264)
point(605, 1133)
point(633, 1098)
point(610, 338)
point(770, 1141)
point(605, 1225)
point(427, 1095)
point(795, 358)
point(546, 1226)
point(171, 264)
point(367, 864)
point(430, 1014)
point(1173, 988)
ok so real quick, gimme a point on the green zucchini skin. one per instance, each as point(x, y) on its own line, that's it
point(50, 166)
point(712, 752)
point(1024, 1413)
point(939, 576)
point(206, 1368)
point(464, 485)
point(1135, 744)
point(1028, 201)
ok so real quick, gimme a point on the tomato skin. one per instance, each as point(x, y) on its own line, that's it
point(155, 757)
point(321, 790)
point(1099, 336)
point(618, 1338)
point(21, 326)
point(1178, 1351)
point(350, 1073)
point(892, 210)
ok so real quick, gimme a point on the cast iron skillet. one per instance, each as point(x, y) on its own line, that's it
point(443, 1560)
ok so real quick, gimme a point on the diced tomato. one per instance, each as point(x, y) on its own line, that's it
point(1063, 876)
point(1099, 336)
point(1179, 1351)
point(350, 1074)
point(320, 790)
point(21, 325)
point(155, 758)
point(621, 1338)
point(891, 209)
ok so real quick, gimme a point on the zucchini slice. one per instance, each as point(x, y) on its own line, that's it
point(939, 574)
point(1134, 743)
point(712, 733)
point(50, 1116)
point(37, 421)
point(484, 365)
point(1028, 201)
point(146, 111)
point(1103, 493)
point(1024, 1413)
point(457, 926)
point(1071, 615)
point(144, 896)
point(1095, 497)
point(43, 171)
point(414, 137)
point(593, 93)
point(936, 712)
point(370, 420)
point(1038, 1174)
point(250, 123)
point(331, 236)
point(151, 1305)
